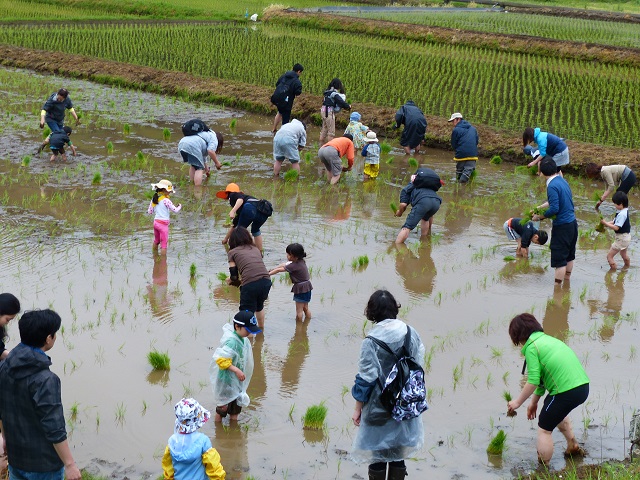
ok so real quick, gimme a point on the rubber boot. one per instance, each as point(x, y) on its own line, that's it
point(397, 473)
point(377, 474)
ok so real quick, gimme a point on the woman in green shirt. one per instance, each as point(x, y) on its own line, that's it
point(551, 366)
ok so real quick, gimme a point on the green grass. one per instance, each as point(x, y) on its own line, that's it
point(612, 470)
point(496, 446)
point(315, 416)
point(159, 360)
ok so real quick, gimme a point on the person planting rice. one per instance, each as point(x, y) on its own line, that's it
point(247, 269)
point(54, 108)
point(189, 453)
point(421, 195)
point(331, 154)
point(199, 144)
point(162, 206)
point(551, 366)
point(371, 154)
point(287, 143)
point(464, 141)
point(245, 210)
point(231, 366)
point(525, 235)
point(415, 126)
point(622, 226)
point(288, 87)
point(56, 142)
point(299, 273)
point(548, 145)
point(564, 230)
point(613, 175)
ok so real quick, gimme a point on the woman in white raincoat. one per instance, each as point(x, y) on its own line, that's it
point(381, 439)
point(232, 366)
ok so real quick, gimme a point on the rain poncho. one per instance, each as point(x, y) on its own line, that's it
point(415, 124)
point(226, 386)
point(191, 457)
point(380, 438)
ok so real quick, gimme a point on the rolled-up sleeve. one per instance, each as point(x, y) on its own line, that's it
point(362, 389)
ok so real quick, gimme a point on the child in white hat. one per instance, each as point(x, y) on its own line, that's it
point(162, 207)
point(371, 154)
point(189, 454)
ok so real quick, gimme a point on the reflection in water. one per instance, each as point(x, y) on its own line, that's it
point(334, 204)
point(158, 377)
point(258, 385)
point(158, 292)
point(520, 266)
point(229, 295)
point(298, 351)
point(556, 315)
point(231, 444)
point(418, 272)
point(369, 198)
point(459, 215)
point(612, 307)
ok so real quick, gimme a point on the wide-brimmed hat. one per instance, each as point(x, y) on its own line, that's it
point(163, 185)
point(355, 117)
point(371, 137)
point(224, 194)
point(454, 116)
point(247, 320)
point(190, 415)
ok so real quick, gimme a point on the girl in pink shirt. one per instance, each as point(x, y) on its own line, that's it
point(162, 207)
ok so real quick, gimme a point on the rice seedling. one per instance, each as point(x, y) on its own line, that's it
point(413, 163)
point(509, 258)
point(600, 226)
point(524, 170)
point(385, 147)
point(507, 396)
point(389, 161)
point(496, 160)
point(46, 132)
point(192, 270)
point(363, 260)
point(473, 176)
point(233, 123)
point(496, 446)
point(121, 411)
point(126, 129)
point(291, 410)
point(166, 134)
point(97, 178)
point(26, 160)
point(394, 207)
point(291, 175)
point(315, 416)
point(307, 157)
point(596, 196)
point(159, 360)
point(73, 412)
point(222, 276)
point(109, 147)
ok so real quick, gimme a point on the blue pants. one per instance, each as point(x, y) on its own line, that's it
point(54, 126)
point(249, 215)
point(16, 474)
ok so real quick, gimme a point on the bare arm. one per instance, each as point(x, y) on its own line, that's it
point(71, 470)
point(214, 157)
point(278, 269)
point(236, 207)
point(526, 392)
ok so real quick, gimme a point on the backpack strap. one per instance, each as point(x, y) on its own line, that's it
point(383, 345)
point(407, 343)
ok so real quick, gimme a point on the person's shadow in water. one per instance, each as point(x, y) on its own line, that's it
point(417, 269)
point(231, 444)
point(556, 315)
point(612, 307)
point(158, 291)
point(297, 353)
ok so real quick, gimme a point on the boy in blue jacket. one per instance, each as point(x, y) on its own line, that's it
point(464, 141)
point(421, 194)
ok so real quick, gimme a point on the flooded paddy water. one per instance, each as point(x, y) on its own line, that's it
point(84, 250)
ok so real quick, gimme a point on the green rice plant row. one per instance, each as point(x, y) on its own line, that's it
point(577, 100)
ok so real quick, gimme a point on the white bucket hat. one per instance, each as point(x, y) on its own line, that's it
point(371, 137)
point(190, 415)
point(163, 185)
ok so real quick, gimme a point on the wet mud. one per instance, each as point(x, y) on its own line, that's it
point(88, 255)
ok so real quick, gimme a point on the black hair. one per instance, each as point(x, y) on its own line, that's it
point(63, 92)
point(220, 142)
point(527, 136)
point(543, 236)
point(240, 236)
point(548, 167)
point(592, 169)
point(36, 325)
point(297, 68)
point(620, 198)
point(522, 326)
point(296, 250)
point(67, 130)
point(156, 196)
point(381, 306)
point(337, 84)
point(9, 305)
point(349, 136)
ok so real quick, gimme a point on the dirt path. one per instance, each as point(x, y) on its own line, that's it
point(256, 99)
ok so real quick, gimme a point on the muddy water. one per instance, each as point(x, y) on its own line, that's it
point(84, 250)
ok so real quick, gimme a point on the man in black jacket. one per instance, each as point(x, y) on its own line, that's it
point(31, 416)
point(288, 87)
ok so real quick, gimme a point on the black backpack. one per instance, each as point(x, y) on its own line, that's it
point(404, 393)
point(194, 127)
point(427, 178)
point(281, 94)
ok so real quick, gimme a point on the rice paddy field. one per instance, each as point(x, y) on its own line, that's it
point(76, 238)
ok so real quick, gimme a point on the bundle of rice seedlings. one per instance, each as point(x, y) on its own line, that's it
point(192, 270)
point(166, 134)
point(159, 360)
point(496, 446)
point(600, 227)
point(291, 175)
point(524, 170)
point(26, 160)
point(496, 160)
point(394, 207)
point(222, 276)
point(507, 396)
point(413, 163)
point(509, 258)
point(315, 416)
point(233, 123)
point(385, 147)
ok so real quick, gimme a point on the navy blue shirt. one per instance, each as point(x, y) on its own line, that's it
point(55, 109)
point(560, 202)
